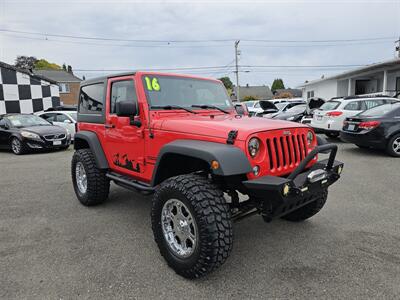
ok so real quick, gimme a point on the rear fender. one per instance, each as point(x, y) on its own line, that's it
point(88, 139)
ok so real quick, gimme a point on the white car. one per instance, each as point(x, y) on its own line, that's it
point(330, 116)
point(66, 119)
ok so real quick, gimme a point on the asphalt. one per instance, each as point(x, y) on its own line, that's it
point(51, 247)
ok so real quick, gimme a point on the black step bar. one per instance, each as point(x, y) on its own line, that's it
point(127, 182)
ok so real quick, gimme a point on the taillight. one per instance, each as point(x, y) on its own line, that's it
point(369, 125)
point(334, 114)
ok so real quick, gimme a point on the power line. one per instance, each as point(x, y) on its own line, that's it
point(224, 67)
point(196, 41)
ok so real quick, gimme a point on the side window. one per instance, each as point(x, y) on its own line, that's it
point(372, 103)
point(355, 105)
point(61, 118)
point(257, 105)
point(122, 91)
point(2, 123)
point(49, 117)
point(91, 99)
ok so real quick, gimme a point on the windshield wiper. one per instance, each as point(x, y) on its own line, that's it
point(206, 106)
point(173, 107)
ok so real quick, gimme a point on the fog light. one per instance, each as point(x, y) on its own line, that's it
point(286, 189)
point(214, 165)
point(256, 170)
point(339, 170)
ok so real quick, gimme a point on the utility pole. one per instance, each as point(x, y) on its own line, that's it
point(237, 69)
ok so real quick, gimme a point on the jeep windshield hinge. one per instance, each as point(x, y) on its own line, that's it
point(231, 137)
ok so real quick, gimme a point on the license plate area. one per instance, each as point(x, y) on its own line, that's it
point(56, 143)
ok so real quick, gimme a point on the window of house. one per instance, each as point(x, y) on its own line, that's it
point(63, 87)
point(122, 91)
point(310, 94)
point(91, 99)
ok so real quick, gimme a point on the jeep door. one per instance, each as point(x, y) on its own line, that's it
point(124, 139)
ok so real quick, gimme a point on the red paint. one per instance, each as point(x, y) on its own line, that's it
point(208, 125)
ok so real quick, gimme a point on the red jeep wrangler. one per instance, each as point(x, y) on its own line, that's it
point(182, 138)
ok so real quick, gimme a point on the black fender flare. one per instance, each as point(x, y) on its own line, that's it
point(232, 160)
point(82, 139)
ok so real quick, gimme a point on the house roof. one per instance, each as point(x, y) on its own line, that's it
point(295, 92)
point(27, 72)
point(371, 67)
point(58, 75)
point(259, 92)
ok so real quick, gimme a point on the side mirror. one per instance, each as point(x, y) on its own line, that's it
point(67, 121)
point(241, 110)
point(126, 108)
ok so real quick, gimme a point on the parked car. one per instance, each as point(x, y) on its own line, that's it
point(312, 105)
point(66, 119)
point(24, 132)
point(180, 137)
point(294, 114)
point(282, 107)
point(378, 127)
point(330, 116)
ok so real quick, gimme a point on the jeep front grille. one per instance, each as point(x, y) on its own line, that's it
point(286, 151)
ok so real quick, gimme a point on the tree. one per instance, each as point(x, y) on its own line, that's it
point(250, 98)
point(227, 82)
point(277, 84)
point(43, 64)
point(25, 62)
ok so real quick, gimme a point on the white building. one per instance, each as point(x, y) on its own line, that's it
point(380, 78)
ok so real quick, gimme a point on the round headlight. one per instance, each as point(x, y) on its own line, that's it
point(310, 138)
point(254, 146)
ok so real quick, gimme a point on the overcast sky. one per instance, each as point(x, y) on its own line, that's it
point(203, 20)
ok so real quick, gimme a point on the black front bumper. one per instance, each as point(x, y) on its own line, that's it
point(45, 144)
point(282, 195)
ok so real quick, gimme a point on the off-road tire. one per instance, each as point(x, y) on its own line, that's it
point(389, 147)
point(332, 135)
point(22, 147)
point(211, 213)
point(98, 185)
point(307, 211)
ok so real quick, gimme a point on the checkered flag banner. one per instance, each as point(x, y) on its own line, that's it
point(22, 93)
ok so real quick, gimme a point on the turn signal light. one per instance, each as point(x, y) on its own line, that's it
point(369, 125)
point(334, 114)
point(214, 165)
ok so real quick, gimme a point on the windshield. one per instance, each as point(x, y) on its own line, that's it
point(249, 103)
point(330, 105)
point(164, 90)
point(73, 115)
point(297, 109)
point(26, 121)
point(281, 105)
point(380, 110)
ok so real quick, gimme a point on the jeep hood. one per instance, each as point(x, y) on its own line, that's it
point(221, 125)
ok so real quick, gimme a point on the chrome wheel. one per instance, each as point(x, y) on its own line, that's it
point(16, 146)
point(81, 178)
point(396, 145)
point(179, 228)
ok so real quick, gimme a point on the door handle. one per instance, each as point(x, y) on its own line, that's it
point(109, 125)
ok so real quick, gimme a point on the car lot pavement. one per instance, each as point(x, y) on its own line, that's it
point(53, 247)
